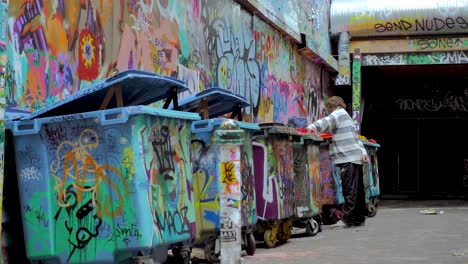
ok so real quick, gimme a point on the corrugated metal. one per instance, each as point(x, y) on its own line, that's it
point(364, 18)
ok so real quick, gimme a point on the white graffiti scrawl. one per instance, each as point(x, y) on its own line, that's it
point(237, 68)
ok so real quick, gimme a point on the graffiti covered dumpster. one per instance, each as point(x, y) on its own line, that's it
point(274, 182)
point(212, 103)
point(12, 228)
point(307, 184)
point(332, 192)
point(371, 176)
point(105, 186)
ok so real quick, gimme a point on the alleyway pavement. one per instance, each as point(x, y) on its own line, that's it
point(399, 233)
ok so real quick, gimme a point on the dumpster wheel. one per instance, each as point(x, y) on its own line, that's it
point(250, 244)
point(312, 227)
point(269, 238)
point(284, 231)
point(182, 254)
point(372, 207)
point(211, 254)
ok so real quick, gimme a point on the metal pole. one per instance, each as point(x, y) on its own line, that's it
point(229, 138)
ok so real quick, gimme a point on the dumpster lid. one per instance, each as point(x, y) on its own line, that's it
point(278, 128)
point(130, 87)
point(11, 115)
point(214, 102)
point(308, 134)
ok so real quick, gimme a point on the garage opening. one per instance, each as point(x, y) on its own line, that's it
point(419, 114)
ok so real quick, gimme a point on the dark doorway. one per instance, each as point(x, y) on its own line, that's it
point(419, 115)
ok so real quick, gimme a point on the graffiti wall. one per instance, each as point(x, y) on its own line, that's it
point(56, 48)
point(90, 191)
point(284, 15)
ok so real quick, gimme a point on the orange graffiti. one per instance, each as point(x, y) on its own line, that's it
point(77, 175)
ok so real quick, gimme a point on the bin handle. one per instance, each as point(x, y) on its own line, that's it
point(29, 127)
point(114, 116)
point(202, 126)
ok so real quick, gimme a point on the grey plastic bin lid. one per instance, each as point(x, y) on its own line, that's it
point(220, 101)
point(138, 88)
point(11, 115)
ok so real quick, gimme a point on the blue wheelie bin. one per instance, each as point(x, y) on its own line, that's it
point(211, 104)
point(107, 181)
point(12, 228)
point(371, 177)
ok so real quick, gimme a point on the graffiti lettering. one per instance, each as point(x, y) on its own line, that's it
point(343, 80)
point(32, 215)
point(29, 156)
point(440, 43)
point(238, 69)
point(449, 102)
point(125, 233)
point(29, 174)
point(55, 134)
point(141, 22)
point(74, 164)
point(247, 187)
point(175, 222)
point(426, 24)
point(162, 147)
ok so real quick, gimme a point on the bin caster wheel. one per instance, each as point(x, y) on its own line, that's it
point(250, 244)
point(269, 238)
point(211, 253)
point(284, 232)
point(312, 227)
point(372, 208)
point(181, 255)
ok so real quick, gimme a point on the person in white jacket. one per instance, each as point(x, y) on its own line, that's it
point(348, 153)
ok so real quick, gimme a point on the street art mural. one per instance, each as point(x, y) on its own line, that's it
point(286, 90)
point(90, 191)
point(282, 14)
point(56, 48)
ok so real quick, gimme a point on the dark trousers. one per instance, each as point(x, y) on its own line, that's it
point(355, 209)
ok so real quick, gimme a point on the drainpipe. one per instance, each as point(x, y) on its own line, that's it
point(344, 72)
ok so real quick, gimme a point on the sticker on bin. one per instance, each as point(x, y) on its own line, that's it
point(130, 88)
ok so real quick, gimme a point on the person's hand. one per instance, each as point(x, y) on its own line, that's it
point(365, 158)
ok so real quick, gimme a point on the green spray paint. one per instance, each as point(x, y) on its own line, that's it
point(357, 91)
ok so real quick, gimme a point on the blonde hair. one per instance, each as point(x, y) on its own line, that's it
point(333, 102)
